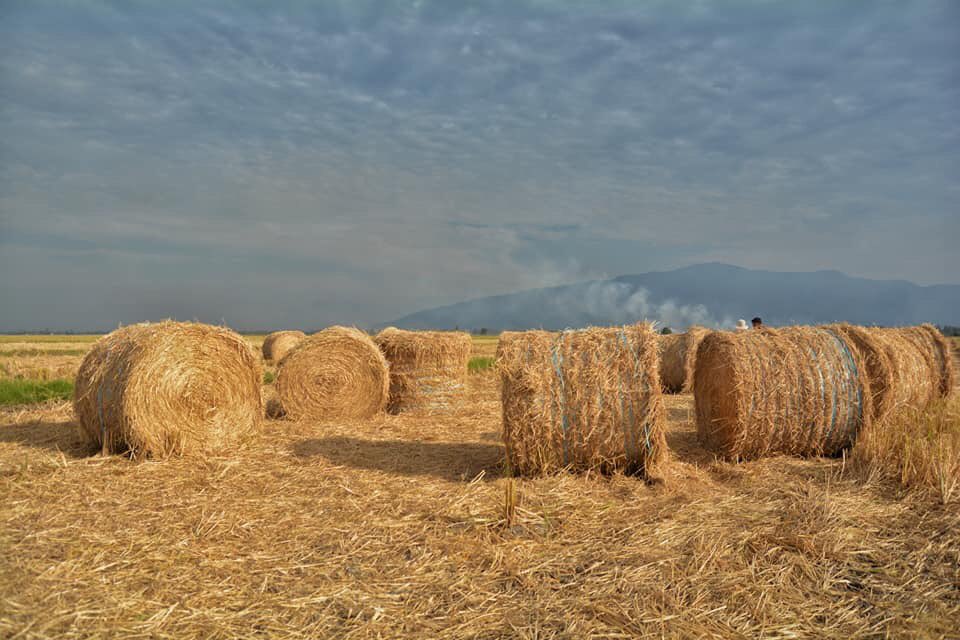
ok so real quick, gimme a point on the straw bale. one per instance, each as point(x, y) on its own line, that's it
point(670, 351)
point(169, 388)
point(909, 367)
point(336, 373)
point(800, 390)
point(582, 400)
point(880, 368)
point(428, 369)
point(678, 356)
point(929, 336)
point(279, 343)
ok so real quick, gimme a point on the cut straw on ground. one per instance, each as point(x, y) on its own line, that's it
point(400, 527)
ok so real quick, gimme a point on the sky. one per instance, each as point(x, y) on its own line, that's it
point(294, 164)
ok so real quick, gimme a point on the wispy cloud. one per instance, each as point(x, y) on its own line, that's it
point(293, 164)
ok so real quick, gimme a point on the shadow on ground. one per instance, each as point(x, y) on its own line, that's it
point(52, 436)
point(681, 433)
point(446, 460)
point(680, 414)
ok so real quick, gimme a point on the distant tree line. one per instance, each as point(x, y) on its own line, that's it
point(950, 330)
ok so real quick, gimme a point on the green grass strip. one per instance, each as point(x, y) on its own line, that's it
point(34, 391)
point(480, 363)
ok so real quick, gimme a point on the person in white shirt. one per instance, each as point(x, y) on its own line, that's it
point(741, 325)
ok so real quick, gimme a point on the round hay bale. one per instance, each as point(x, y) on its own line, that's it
point(670, 349)
point(908, 366)
point(428, 369)
point(801, 391)
point(169, 388)
point(279, 343)
point(678, 357)
point(881, 371)
point(930, 337)
point(582, 400)
point(336, 373)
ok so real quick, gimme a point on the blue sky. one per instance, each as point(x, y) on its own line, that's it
point(300, 164)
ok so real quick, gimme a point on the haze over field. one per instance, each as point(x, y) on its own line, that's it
point(712, 295)
point(272, 165)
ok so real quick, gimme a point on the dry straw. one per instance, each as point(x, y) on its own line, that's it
point(582, 400)
point(405, 527)
point(908, 367)
point(800, 390)
point(279, 343)
point(336, 373)
point(678, 357)
point(929, 337)
point(428, 369)
point(169, 388)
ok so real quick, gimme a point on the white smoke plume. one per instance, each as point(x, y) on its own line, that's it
point(620, 303)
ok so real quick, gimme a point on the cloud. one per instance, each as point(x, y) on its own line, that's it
point(376, 160)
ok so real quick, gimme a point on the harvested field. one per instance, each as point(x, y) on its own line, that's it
point(39, 340)
point(400, 527)
point(35, 352)
point(484, 346)
point(41, 367)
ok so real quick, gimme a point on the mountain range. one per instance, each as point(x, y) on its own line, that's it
point(712, 294)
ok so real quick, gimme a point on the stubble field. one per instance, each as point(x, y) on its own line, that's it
point(401, 527)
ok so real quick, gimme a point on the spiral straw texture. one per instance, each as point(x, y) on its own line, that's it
point(582, 400)
point(428, 369)
point(336, 373)
point(279, 343)
point(800, 390)
point(909, 367)
point(169, 388)
point(678, 357)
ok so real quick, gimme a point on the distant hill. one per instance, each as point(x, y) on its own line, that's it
point(709, 294)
